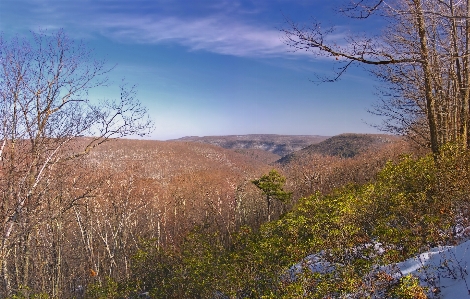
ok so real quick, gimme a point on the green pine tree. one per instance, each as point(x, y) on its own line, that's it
point(272, 186)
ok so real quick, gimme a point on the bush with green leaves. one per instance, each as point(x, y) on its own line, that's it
point(404, 210)
point(411, 206)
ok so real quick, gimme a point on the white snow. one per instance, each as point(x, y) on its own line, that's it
point(443, 270)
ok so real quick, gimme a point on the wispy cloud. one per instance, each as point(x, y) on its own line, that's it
point(222, 26)
point(214, 34)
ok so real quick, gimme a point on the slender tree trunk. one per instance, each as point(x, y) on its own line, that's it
point(461, 93)
point(5, 274)
point(430, 100)
point(57, 257)
point(466, 62)
point(23, 259)
point(269, 208)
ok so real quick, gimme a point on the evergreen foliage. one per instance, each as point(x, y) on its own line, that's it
point(272, 186)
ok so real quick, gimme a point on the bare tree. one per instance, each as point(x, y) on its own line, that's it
point(422, 56)
point(45, 113)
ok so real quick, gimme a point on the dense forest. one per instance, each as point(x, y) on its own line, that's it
point(165, 217)
point(86, 213)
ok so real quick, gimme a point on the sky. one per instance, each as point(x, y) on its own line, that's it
point(212, 67)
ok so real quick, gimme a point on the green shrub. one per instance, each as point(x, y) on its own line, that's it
point(408, 288)
point(410, 207)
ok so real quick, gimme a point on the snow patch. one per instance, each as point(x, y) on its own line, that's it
point(443, 270)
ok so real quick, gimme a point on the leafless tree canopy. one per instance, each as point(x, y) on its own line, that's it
point(422, 57)
point(44, 111)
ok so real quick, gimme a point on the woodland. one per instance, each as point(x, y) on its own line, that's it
point(87, 214)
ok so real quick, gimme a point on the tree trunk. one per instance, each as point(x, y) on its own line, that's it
point(269, 208)
point(430, 100)
point(466, 63)
point(461, 92)
point(5, 274)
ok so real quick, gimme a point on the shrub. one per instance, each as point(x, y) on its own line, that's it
point(411, 206)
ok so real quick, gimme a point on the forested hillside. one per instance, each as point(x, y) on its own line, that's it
point(323, 167)
point(277, 144)
point(394, 197)
point(136, 192)
point(144, 195)
point(342, 146)
point(193, 183)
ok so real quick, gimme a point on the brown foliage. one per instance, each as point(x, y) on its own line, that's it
point(311, 172)
point(140, 190)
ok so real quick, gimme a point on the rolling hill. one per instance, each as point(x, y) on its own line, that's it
point(343, 146)
point(280, 145)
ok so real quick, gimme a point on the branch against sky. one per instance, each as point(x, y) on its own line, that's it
point(427, 41)
point(361, 9)
point(47, 122)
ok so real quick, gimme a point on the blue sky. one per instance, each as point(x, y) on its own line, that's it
point(211, 67)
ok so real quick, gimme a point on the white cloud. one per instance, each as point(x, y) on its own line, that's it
point(223, 27)
point(214, 34)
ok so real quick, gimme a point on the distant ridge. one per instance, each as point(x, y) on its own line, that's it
point(344, 146)
point(280, 145)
